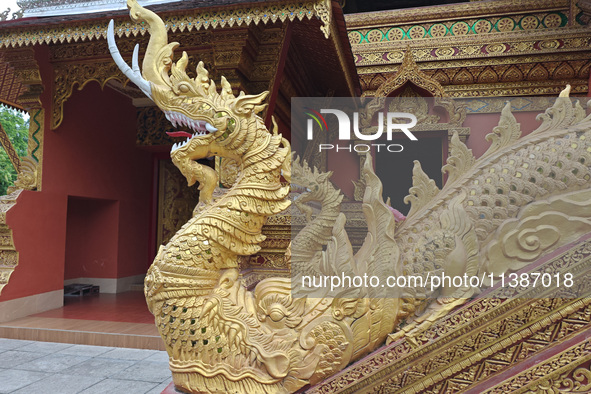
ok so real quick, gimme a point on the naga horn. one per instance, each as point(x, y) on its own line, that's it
point(134, 74)
point(159, 53)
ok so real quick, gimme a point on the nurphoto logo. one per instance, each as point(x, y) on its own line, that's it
point(393, 123)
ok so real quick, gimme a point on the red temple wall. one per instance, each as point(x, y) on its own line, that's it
point(38, 225)
point(93, 159)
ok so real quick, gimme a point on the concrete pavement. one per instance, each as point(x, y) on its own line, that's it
point(60, 368)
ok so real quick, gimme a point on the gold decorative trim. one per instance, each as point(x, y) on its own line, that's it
point(489, 330)
point(565, 372)
point(67, 76)
point(466, 47)
point(429, 67)
point(545, 325)
point(550, 42)
point(452, 11)
point(324, 13)
point(585, 7)
point(481, 27)
point(516, 89)
point(176, 201)
point(8, 253)
point(27, 175)
point(152, 127)
point(476, 81)
point(26, 69)
point(267, 12)
point(409, 72)
point(35, 147)
point(487, 105)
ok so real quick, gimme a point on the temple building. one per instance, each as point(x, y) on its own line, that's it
point(98, 194)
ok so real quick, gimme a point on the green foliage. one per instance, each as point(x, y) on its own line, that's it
point(17, 128)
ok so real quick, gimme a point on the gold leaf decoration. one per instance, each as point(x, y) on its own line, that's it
point(460, 160)
point(507, 132)
point(27, 175)
point(562, 114)
point(8, 253)
point(423, 189)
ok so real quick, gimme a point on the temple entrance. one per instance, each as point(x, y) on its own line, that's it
point(92, 233)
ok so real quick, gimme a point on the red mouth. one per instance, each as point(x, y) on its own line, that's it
point(183, 134)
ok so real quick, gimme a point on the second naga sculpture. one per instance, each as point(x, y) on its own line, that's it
point(223, 338)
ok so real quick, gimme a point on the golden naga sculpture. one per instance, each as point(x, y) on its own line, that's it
point(494, 215)
point(220, 337)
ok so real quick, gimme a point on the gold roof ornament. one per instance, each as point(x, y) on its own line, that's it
point(409, 72)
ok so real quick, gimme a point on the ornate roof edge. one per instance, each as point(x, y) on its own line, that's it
point(10, 104)
point(44, 8)
point(188, 20)
point(344, 49)
point(448, 11)
point(409, 72)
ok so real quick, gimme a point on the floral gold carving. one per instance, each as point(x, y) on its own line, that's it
point(175, 202)
point(460, 160)
point(8, 253)
point(70, 75)
point(423, 189)
point(537, 46)
point(410, 72)
point(27, 175)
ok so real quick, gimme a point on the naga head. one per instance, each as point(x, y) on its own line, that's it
point(213, 120)
point(316, 186)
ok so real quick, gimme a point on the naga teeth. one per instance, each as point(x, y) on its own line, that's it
point(200, 127)
point(210, 128)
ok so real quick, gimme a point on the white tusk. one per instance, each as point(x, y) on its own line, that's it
point(210, 128)
point(135, 60)
point(134, 75)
